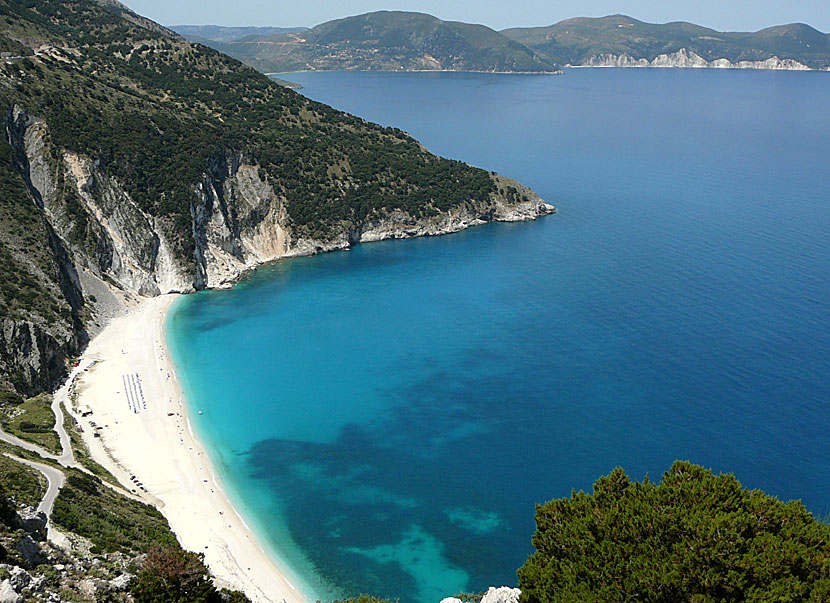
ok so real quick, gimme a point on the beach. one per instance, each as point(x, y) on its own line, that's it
point(138, 427)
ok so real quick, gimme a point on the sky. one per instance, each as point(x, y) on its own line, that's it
point(724, 15)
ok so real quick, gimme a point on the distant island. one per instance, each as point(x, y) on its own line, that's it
point(406, 41)
point(221, 33)
point(620, 41)
point(381, 41)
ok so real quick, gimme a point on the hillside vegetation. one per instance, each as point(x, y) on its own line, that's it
point(577, 41)
point(692, 537)
point(386, 41)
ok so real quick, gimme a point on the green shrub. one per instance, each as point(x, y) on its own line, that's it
point(364, 599)
point(9, 398)
point(110, 520)
point(173, 575)
point(20, 482)
point(693, 537)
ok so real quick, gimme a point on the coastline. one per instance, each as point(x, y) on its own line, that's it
point(273, 74)
point(161, 450)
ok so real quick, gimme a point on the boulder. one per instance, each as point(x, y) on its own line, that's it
point(19, 578)
point(30, 551)
point(120, 583)
point(504, 594)
point(7, 593)
point(451, 600)
point(36, 585)
point(32, 522)
point(90, 587)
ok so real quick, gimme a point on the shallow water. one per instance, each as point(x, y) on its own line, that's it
point(388, 417)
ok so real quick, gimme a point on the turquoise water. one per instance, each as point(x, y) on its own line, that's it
point(389, 416)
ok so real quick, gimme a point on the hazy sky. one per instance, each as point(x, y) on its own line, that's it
point(720, 14)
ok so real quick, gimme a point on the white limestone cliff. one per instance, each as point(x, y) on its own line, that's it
point(685, 58)
point(238, 220)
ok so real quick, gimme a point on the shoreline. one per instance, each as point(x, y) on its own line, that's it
point(157, 445)
point(277, 73)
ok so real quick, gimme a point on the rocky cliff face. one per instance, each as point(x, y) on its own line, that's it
point(35, 354)
point(238, 220)
point(689, 59)
point(121, 252)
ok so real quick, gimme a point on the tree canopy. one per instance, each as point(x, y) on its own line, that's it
point(173, 575)
point(693, 537)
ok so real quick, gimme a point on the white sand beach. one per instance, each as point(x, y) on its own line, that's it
point(160, 450)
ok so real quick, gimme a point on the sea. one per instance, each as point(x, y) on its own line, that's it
point(387, 418)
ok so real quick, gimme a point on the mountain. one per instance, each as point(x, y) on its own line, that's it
point(387, 41)
point(219, 33)
point(135, 163)
point(619, 40)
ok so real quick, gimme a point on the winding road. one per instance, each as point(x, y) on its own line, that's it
point(55, 478)
point(15, 441)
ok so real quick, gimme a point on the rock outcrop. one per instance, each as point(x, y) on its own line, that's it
point(29, 550)
point(8, 594)
point(684, 58)
point(501, 594)
point(31, 521)
point(36, 353)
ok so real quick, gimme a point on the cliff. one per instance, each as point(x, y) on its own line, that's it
point(142, 164)
point(685, 58)
point(238, 220)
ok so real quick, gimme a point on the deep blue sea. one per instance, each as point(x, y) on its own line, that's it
point(388, 417)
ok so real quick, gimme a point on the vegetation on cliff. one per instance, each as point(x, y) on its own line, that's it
point(112, 522)
point(692, 537)
point(576, 41)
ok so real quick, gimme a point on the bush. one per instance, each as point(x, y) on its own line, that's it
point(8, 398)
point(28, 427)
point(693, 537)
point(7, 511)
point(365, 599)
point(111, 521)
point(173, 575)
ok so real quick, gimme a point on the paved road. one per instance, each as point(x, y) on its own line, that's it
point(67, 457)
point(15, 441)
point(55, 478)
